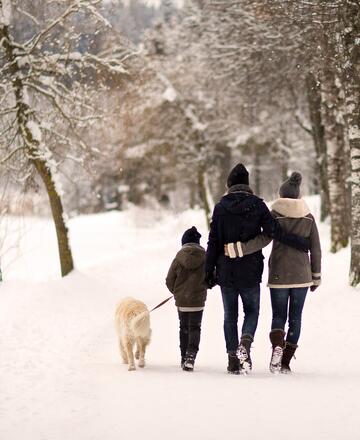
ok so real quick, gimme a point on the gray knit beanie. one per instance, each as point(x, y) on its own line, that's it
point(290, 189)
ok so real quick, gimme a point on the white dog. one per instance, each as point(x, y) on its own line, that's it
point(132, 321)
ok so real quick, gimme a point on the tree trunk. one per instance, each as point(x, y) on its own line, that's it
point(318, 134)
point(66, 259)
point(336, 160)
point(35, 155)
point(203, 194)
point(224, 165)
point(350, 52)
point(257, 171)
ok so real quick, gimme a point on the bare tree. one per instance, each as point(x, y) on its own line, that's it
point(46, 92)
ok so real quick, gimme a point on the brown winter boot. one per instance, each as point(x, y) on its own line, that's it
point(277, 342)
point(289, 351)
point(243, 353)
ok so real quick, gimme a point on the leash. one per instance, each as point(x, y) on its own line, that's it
point(161, 304)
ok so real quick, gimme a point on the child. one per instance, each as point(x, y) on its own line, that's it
point(186, 281)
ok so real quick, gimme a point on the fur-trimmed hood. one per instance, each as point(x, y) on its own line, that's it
point(293, 208)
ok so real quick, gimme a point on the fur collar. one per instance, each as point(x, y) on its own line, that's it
point(294, 208)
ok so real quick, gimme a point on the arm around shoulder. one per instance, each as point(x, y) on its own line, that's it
point(239, 249)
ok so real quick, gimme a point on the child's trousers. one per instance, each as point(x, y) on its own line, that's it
point(190, 328)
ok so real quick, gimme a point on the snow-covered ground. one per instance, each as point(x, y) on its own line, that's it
point(61, 376)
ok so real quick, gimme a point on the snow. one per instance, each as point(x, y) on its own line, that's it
point(5, 13)
point(138, 151)
point(34, 130)
point(190, 114)
point(61, 374)
point(25, 96)
point(170, 94)
point(354, 132)
point(23, 61)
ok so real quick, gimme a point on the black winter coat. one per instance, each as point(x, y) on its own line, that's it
point(241, 216)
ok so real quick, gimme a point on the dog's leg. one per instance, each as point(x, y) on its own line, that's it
point(130, 355)
point(123, 352)
point(137, 352)
point(141, 347)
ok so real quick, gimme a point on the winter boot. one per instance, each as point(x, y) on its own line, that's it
point(182, 362)
point(277, 342)
point(244, 354)
point(189, 362)
point(289, 351)
point(233, 363)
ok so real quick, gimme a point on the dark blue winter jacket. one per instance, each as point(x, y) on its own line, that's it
point(241, 216)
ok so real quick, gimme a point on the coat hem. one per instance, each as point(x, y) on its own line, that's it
point(289, 286)
point(190, 309)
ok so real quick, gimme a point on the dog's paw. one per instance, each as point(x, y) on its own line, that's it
point(137, 355)
point(142, 363)
point(131, 368)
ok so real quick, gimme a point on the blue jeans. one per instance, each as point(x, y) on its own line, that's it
point(250, 297)
point(291, 299)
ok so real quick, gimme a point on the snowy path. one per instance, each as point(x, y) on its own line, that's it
point(61, 376)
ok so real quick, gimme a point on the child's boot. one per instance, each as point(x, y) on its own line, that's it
point(182, 362)
point(244, 354)
point(189, 361)
point(233, 363)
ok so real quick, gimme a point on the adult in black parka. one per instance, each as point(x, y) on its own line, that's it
point(238, 217)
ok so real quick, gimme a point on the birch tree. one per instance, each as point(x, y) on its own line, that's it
point(349, 49)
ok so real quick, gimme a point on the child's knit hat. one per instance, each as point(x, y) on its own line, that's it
point(191, 236)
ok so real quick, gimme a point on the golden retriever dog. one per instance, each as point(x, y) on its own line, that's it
point(132, 321)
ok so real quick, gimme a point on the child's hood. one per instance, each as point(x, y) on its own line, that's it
point(191, 256)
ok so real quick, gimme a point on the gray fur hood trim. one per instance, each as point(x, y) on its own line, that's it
point(293, 208)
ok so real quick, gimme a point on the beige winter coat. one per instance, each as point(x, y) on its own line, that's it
point(288, 267)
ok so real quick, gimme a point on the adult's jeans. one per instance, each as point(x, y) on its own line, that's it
point(190, 329)
point(250, 297)
point(287, 304)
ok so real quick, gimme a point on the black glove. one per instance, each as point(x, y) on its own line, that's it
point(313, 287)
point(210, 279)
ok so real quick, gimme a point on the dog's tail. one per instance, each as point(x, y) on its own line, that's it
point(140, 324)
